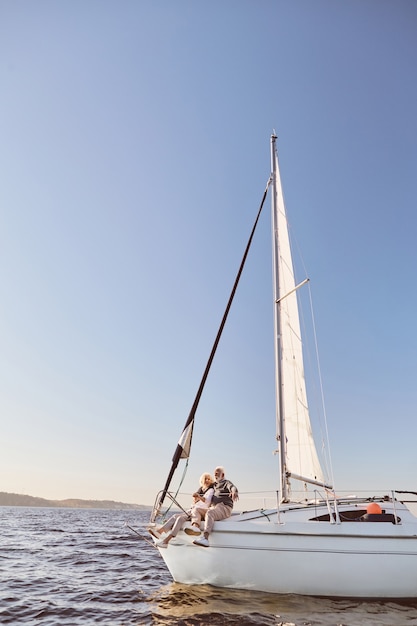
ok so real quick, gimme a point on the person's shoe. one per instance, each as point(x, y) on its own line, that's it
point(192, 530)
point(161, 543)
point(201, 541)
point(155, 533)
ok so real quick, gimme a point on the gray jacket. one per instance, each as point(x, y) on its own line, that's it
point(223, 492)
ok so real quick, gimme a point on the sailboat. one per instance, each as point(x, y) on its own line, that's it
point(321, 545)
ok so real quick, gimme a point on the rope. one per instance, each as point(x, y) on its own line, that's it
point(151, 543)
point(174, 498)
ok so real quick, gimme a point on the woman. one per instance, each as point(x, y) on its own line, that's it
point(202, 500)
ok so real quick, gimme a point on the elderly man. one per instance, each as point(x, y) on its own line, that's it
point(225, 494)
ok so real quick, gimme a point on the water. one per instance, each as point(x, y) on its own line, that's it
point(72, 567)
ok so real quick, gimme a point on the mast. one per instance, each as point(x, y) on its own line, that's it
point(280, 415)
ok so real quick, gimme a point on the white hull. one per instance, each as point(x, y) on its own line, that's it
point(350, 559)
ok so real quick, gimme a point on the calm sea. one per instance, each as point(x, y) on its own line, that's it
point(72, 567)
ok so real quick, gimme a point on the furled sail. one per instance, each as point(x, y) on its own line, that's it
point(294, 427)
point(185, 441)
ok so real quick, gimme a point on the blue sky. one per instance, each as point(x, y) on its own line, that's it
point(134, 154)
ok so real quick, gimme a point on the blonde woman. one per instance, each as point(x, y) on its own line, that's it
point(201, 499)
point(202, 502)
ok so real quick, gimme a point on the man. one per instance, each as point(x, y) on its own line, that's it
point(225, 494)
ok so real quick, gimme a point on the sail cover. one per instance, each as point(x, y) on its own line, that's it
point(300, 451)
point(185, 441)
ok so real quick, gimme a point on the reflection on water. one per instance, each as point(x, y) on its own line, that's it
point(184, 604)
point(210, 605)
point(176, 603)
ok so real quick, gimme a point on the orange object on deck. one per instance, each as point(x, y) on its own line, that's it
point(373, 509)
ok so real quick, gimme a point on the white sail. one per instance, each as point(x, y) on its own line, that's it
point(294, 428)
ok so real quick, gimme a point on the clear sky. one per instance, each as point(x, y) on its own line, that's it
point(134, 153)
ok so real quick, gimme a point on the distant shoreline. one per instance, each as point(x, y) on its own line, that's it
point(15, 499)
